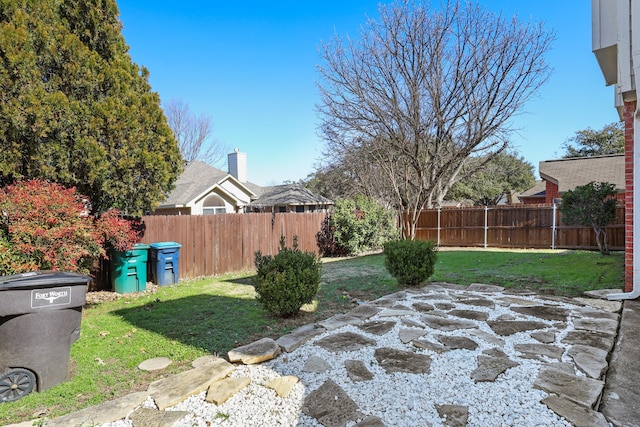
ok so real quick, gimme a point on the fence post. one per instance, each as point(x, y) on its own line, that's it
point(438, 226)
point(486, 225)
point(553, 227)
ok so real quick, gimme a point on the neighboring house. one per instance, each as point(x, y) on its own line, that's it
point(562, 175)
point(205, 190)
point(616, 44)
point(534, 195)
point(289, 198)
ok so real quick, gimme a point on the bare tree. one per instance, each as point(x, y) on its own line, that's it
point(423, 89)
point(193, 134)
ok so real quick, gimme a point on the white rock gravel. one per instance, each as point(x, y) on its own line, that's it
point(398, 399)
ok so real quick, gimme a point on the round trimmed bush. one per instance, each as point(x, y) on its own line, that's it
point(411, 262)
point(288, 280)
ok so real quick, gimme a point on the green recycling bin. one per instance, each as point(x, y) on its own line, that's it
point(129, 269)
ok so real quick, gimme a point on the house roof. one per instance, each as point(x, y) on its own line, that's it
point(289, 194)
point(575, 171)
point(538, 190)
point(197, 178)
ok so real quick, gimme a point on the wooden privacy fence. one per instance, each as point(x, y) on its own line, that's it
point(512, 226)
point(218, 244)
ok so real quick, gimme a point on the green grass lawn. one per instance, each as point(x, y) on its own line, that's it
point(214, 315)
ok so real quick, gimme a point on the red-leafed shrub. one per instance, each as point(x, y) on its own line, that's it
point(44, 226)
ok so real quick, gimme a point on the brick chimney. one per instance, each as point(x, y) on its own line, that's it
point(237, 162)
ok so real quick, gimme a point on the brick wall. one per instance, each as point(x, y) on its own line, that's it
point(629, 111)
point(551, 192)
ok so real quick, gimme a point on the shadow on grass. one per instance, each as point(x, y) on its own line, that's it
point(210, 322)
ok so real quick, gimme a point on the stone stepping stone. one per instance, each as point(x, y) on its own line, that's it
point(590, 360)
point(394, 360)
point(495, 352)
point(481, 287)
point(104, 413)
point(489, 368)
point(447, 324)
point(283, 385)
point(594, 313)
point(453, 415)
point(331, 406)
point(155, 364)
point(511, 327)
point(423, 307)
point(601, 304)
point(595, 339)
point(153, 417)
point(378, 327)
point(581, 390)
point(397, 312)
point(436, 296)
point(205, 360)
point(545, 337)
point(371, 421)
point(517, 301)
point(411, 323)
point(256, 352)
point(316, 365)
point(470, 314)
point(357, 371)
point(364, 311)
point(444, 306)
point(408, 335)
point(457, 343)
point(220, 391)
point(566, 367)
point(429, 345)
point(338, 321)
point(486, 336)
point(345, 341)
point(506, 317)
point(173, 390)
point(539, 351)
point(478, 302)
point(576, 414)
point(545, 312)
point(607, 326)
point(293, 340)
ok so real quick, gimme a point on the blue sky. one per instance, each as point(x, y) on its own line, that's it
point(251, 66)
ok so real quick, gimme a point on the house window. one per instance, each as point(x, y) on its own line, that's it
point(213, 211)
point(282, 209)
point(299, 209)
point(213, 205)
point(311, 208)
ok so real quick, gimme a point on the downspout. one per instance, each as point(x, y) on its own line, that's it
point(635, 55)
point(635, 292)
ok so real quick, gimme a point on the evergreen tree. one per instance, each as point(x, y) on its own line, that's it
point(75, 109)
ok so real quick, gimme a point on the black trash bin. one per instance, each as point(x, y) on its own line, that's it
point(40, 316)
point(165, 262)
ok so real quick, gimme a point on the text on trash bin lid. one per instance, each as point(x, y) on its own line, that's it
point(50, 297)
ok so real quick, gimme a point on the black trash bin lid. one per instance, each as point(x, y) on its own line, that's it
point(42, 279)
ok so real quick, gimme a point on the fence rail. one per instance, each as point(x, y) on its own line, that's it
point(526, 226)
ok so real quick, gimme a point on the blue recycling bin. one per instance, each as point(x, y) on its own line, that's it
point(165, 262)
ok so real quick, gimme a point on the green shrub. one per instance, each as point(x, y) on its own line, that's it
point(356, 225)
point(411, 262)
point(288, 280)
